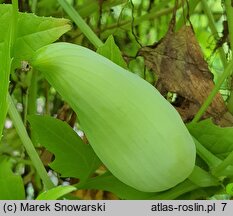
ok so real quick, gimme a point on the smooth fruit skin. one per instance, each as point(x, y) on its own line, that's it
point(136, 133)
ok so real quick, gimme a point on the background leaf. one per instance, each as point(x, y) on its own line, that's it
point(216, 139)
point(10, 143)
point(56, 193)
point(73, 158)
point(12, 187)
point(111, 51)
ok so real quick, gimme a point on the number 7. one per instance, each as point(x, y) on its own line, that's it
point(224, 205)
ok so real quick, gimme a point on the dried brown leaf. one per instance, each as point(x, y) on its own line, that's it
point(178, 62)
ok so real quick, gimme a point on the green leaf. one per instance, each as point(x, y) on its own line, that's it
point(111, 51)
point(202, 193)
point(216, 139)
point(229, 189)
point(110, 183)
point(33, 32)
point(56, 193)
point(12, 187)
point(73, 158)
point(202, 178)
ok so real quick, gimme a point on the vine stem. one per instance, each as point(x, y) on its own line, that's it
point(32, 95)
point(213, 29)
point(229, 13)
point(87, 31)
point(127, 24)
point(217, 166)
point(206, 155)
point(228, 66)
point(222, 166)
point(28, 145)
point(34, 4)
point(212, 94)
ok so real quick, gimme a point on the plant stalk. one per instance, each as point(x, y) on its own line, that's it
point(128, 23)
point(215, 90)
point(189, 9)
point(224, 164)
point(229, 13)
point(32, 96)
point(28, 145)
point(87, 31)
point(211, 160)
point(213, 28)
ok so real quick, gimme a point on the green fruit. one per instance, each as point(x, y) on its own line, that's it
point(136, 133)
